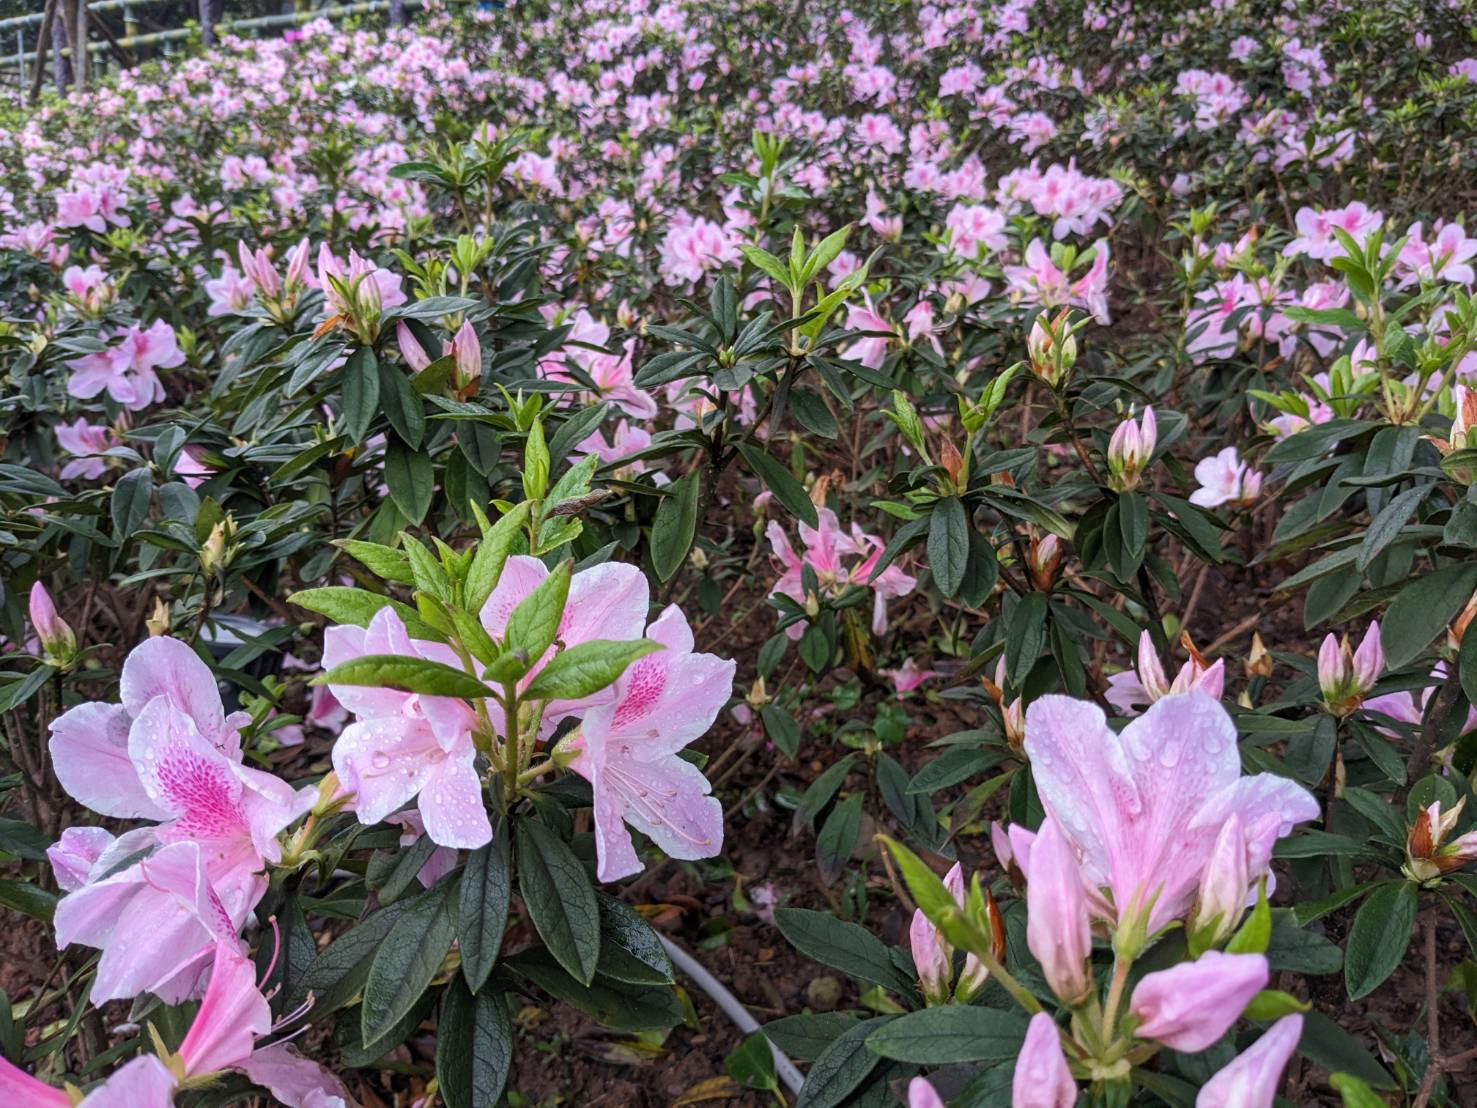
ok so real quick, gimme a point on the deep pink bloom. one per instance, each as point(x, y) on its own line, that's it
point(1191, 1005)
point(232, 1015)
point(827, 548)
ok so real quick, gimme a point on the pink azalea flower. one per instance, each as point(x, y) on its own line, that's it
point(921, 1094)
point(1133, 690)
point(1058, 925)
point(1315, 236)
point(1142, 808)
point(1250, 1080)
point(826, 548)
point(84, 441)
point(908, 676)
point(405, 746)
point(1225, 479)
point(628, 750)
point(364, 280)
point(126, 369)
point(870, 349)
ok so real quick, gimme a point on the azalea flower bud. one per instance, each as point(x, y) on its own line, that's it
point(1223, 886)
point(1042, 1078)
point(1058, 928)
point(368, 300)
point(922, 1094)
point(297, 266)
point(1013, 850)
point(415, 357)
point(1191, 1005)
point(931, 955)
point(1345, 675)
point(1458, 628)
point(1250, 1080)
point(58, 642)
point(467, 349)
point(1129, 451)
point(1052, 349)
point(1012, 714)
point(1259, 662)
point(1428, 855)
point(1044, 558)
point(216, 551)
point(158, 622)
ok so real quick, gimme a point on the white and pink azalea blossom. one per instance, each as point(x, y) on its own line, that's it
point(1345, 674)
point(1225, 479)
point(1142, 807)
point(1042, 1078)
point(168, 752)
point(629, 749)
point(407, 746)
point(1133, 690)
point(827, 549)
point(1251, 1079)
point(1191, 1005)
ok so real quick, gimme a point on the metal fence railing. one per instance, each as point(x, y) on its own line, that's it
point(30, 64)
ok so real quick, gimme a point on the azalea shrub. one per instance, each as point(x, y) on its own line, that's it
point(982, 489)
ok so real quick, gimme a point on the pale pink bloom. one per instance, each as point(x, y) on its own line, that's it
point(907, 677)
point(126, 369)
point(1040, 281)
point(1315, 236)
point(1133, 690)
point(629, 751)
point(190, 465)
point(1142, 808)
point(1409, 707)
point(89, 287)
point(1446, 257)
point(691, 247)
point(623, 442)
point(230, 294)
point(1058, 926)
point(870, 349)
point(232, 1015)
point(1191, 1005)
point(156, 922)
point(826, 549)
point(1225, 479)
point(55, 634)
point(1042, 1078)
point(169, 753)
point(973, 228)
point(75, 853)
point(1251, 1079)
point(405, 746)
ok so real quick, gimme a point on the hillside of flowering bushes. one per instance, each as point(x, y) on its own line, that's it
point(662, 553)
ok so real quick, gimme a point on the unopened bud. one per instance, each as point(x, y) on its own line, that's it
point(58, 642)
point(1259, 662)
point(1052, 348)
point(467, 350)
point(1129, 451)
point(1044, 557)
point(158, 622)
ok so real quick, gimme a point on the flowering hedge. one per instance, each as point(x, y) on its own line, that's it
point(436, 463)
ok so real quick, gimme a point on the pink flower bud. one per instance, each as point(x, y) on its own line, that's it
point(1223, 888)
point(1250, 1079)
point(1193, 1004)
point(297, 264)
point(931, 957)
point(1058, 928)
point(416, 358)
point(1042, 1079)
point(1151, 670)
point(1369, 659)
point(468, 350)
point(58, 642)
point(1332, 674)
point(921, 1094)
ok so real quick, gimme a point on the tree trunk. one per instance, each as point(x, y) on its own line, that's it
point(397, 13)
point(211, 12)
point(60, 41)
point(77, 25)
